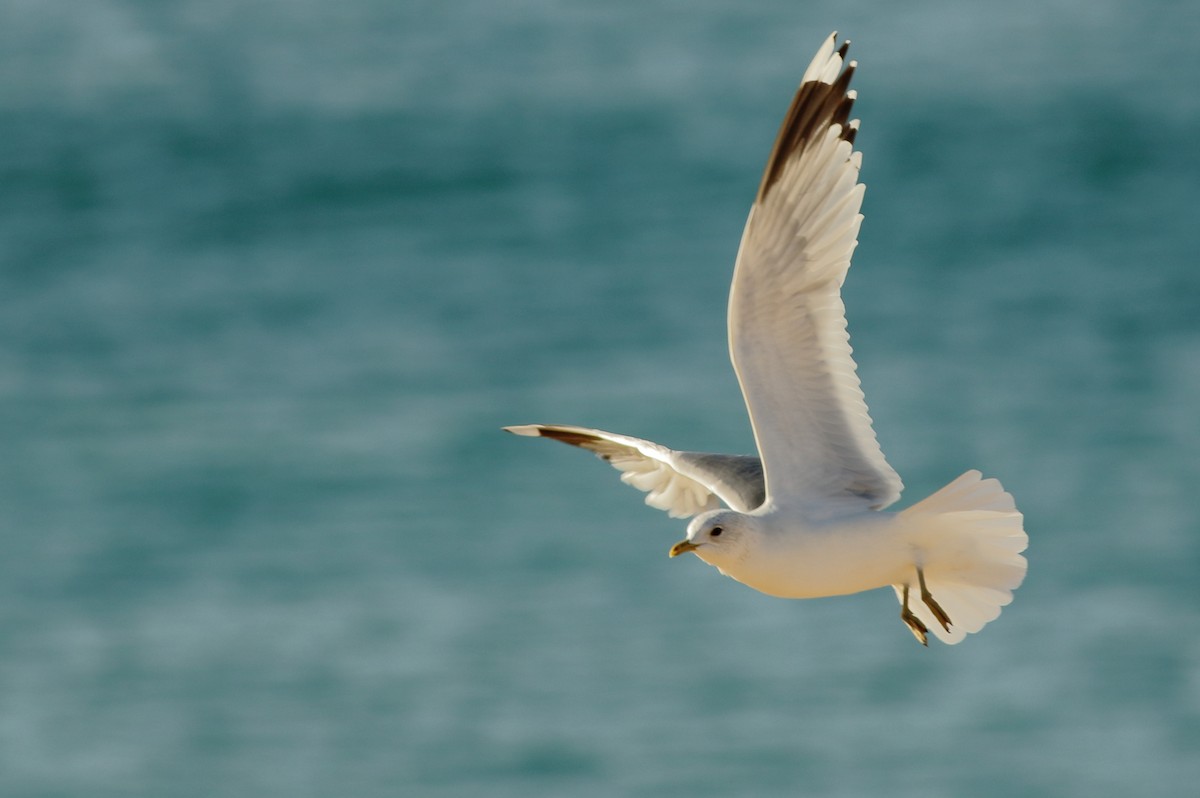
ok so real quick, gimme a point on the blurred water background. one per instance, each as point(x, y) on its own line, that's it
point(273, 274)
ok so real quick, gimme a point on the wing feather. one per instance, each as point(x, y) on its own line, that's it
point(682, 483)
point(787, 324)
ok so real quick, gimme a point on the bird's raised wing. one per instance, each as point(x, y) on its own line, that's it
point(787, 325)
point(682, 483)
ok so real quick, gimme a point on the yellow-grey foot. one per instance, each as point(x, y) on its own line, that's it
point(915, 625)
point(931, 603)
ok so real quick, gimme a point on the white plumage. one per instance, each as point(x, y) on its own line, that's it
point(804, 517)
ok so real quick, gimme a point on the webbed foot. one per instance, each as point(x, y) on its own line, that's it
point(931, 603)
point(915, 625)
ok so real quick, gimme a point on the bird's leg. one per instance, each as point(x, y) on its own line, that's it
point(933, 606)
point(919, 629)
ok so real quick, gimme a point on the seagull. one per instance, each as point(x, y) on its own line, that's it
point(806, 518)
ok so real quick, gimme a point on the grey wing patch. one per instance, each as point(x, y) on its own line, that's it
point(682, 483)
point(736, 478)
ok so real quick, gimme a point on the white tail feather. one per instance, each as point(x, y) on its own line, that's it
point(969, 537)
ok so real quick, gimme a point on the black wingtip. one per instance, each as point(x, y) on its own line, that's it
point(815, 108)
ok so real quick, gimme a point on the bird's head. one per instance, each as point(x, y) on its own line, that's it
point(719, 537)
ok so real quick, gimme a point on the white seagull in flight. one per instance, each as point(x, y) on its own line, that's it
point(806, 519)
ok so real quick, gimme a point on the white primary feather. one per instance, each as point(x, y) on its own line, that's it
point(823, 63)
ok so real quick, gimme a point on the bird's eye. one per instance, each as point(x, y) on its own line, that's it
point(716, 532)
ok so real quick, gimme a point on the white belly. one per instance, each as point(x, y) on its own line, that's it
point(848, 556)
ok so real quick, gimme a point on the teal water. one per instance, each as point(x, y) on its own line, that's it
point(273, 274)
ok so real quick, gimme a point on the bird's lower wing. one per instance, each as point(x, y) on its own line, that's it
point(682, 483)
point(787, 325)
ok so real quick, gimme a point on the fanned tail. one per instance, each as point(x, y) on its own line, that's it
point(968, 537)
